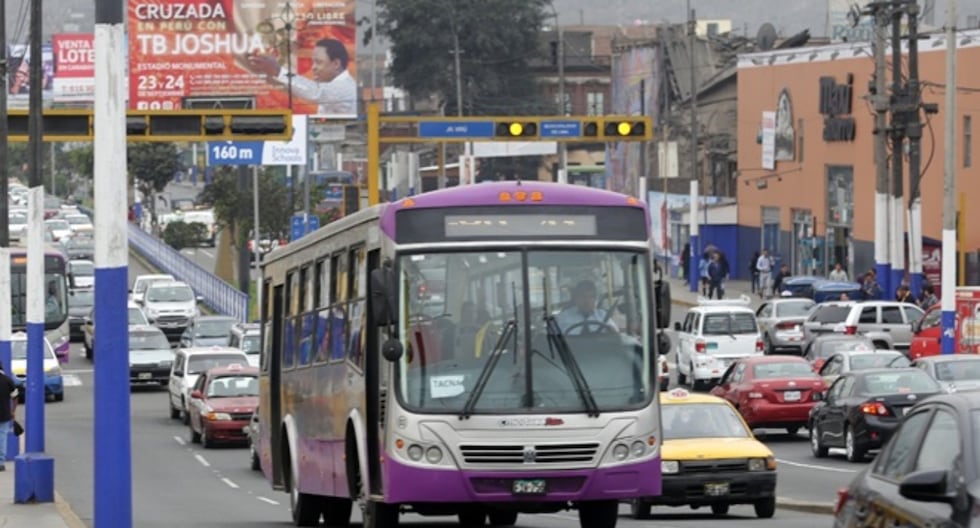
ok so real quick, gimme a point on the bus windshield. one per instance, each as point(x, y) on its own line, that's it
point(569, 331)
point(55, 296)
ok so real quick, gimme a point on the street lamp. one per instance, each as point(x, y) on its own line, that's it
point(560, 52)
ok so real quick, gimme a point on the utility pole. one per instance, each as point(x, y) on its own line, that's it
point(642, 177)
point(949, 190)
point(692, 24)
point(913, 131)
point(5, 315)
point(562, 110)
point(880, 102)
point(897, 220)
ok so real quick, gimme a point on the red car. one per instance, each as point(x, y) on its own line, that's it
point(222, 402)
point(771, 391)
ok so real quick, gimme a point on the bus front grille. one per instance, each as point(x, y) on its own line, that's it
point(528, 454)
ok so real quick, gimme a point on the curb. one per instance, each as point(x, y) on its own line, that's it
point(64, 509)
point(824, 508)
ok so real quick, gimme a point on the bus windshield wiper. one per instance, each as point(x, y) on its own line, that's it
point(557, 342)
point(481, 382)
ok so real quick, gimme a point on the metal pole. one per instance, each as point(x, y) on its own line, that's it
point(949, 191)
point(12, 441)
point(562, 109)
point(374, 50)
point(5, 314)
point(914, 133)
point(643, 146)
point(54, 191)
point(256, 238)
point(664, 152)
point(880, 101)
point(897, 218)
point(459, 72)
point(373, 152)
point(113, 455)
point(244, 269)
point(691, 41)
point(695, 257)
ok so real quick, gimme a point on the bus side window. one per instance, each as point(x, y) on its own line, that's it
point(292, 300)
point(358, 294)
point(338, 317)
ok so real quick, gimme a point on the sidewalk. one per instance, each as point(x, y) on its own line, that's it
point(681, 292)
point(55, 514)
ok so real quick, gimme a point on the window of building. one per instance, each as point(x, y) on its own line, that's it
point(967, 141)
point(596, 102)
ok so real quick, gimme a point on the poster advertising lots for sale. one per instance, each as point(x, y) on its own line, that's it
point(74, 67)
point(270, 54)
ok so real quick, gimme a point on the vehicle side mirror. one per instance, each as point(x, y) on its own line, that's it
point(196, 395)
point(663, 343)
point(677, 326)
point(927, 486)
point(818, 396)
point(661, 293)
point(392, 350)
point(384, 296)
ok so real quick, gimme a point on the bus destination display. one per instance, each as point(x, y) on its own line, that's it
point(520, 225)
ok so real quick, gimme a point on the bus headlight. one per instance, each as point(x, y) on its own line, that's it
point(638, 449)
point(433, 455)
point(415, 452)
point(620, 452)
point(670, 467)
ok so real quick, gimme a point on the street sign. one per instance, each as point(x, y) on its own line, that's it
point(456, 129)
point(565, 128)
point(234, 153)
point(302, 224)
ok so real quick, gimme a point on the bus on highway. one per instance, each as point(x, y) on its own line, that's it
point(478, 351)
point(56, 297)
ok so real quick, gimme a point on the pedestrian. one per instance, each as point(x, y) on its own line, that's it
point(904, 295)
point(685, 260)
point(871, 288)
point(928, 297)
point(753, 272)
point(764, 266)
point(8, 404)
point(838, 273)
point(716, 276)
point(777, 283)
point(703, 272)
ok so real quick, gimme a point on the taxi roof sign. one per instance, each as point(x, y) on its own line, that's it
point(679, 393)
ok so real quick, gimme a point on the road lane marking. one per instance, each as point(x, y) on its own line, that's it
point(203, 462)
point(814, 466)
point(78, 371)
point(228, 481)
point(180, 440)
point(70, 380)
point(270, 501)
point(208, 253)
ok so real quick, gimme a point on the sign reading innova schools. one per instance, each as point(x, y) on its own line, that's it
point(182, 50)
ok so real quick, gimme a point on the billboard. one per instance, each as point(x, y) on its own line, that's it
point(18, 84)
point(634, 91)
point(185, 53)
point(74, 67)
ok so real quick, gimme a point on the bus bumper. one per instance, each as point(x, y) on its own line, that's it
point(414, 484)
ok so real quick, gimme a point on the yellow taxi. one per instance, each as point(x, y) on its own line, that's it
point(710, 458)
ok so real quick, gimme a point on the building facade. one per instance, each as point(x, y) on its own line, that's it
point(806, 169)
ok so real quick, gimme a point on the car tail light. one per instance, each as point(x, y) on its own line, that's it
point(759, 346)
point(842, 496)
point(850, 330)
point(875, 409)
point(700, 346)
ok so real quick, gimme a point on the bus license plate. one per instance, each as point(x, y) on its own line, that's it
point(791, 395)
point(145, 375)
point(529, 487)
point(716, 490)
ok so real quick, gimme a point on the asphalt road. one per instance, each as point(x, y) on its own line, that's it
point(176, 483)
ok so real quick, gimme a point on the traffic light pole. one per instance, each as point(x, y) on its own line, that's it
point(5, 315)
point(949, 191)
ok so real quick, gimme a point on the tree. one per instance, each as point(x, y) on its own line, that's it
point(183, 234)
point(153, 165)
point(81, 160)
point(233, 207)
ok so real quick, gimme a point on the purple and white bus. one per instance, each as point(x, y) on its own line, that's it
point(56, 297)
point(479, 351)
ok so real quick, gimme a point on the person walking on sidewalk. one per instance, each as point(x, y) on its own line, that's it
point(764, 266)
point(8, 403)
point(777, 283)
point(753, 272)
point(716, 276)
point(703, 272)
point(838, 273)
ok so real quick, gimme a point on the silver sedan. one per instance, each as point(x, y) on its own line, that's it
point(781, 323)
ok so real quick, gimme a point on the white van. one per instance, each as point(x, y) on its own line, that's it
point(143, 282)
point(189, 364)
point(713, 335)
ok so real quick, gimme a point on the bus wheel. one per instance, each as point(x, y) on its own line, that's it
point(305, 508)
point(598, 514)
point(379, 515)
point(503, 518)
point(471, 519)
point(336, 511)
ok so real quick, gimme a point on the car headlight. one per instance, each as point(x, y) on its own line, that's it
point(218, 417)
point(166, 363)
point(762, 464)
point(670, 467)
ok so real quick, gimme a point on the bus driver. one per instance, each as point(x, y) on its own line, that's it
point(583, 316)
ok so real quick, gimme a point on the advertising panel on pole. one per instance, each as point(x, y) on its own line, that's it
point(18, 81)
point(263, 55)
point(292, 152)
point(769, 140)
point(74, 67)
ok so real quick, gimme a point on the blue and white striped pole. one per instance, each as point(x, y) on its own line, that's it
point(5, 327)
point(113, 445)
point(694, 259)
point(948, 296)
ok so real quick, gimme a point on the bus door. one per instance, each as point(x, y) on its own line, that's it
point(375, 383)
point(275, 386)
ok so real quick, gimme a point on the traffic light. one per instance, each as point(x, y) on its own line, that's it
point(516, 129)
point(352, 200)
point(208, 125)
point(591, 128)
point(56, 125)
point(625, 128)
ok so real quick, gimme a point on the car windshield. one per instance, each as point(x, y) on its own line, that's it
point(57, 225)
point(18, 349)
point(783, 369)
point(729, 323)
point(958, 370)
point(169, 294)
point(906, 381)
point(18, 219)
point(702, 420)
point(583, 314)
point(142, 285)
point(199, 363)
point(148, 341)
point(213, 328)
point(877, 360)
point(77, 219)
point(136, 316)
point(82, 268)
point(793, 308)
point(830, 313)
point(251, 344)
point(829, 347)
point(233, 387)
point(81, 298)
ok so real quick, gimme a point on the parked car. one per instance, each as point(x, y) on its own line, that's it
point(142, 282)
point(223, 401)
point(247, 337)
point(709, 457)
point(851, 317)
point(927, 474)
point(863, 408)
point(828, 290)
point(208, 330)
point(846, 361)
point(798, 286)
point(878, 319)
point(713, 335)
point(81, 274)
point(54, 384)
point(820, 349)
point(781, 323)
point(189, 364)
point(171, 306)
point(150, 355)
point(80, 304)
point(953, 372)
point(771, 391)
point(134, 316)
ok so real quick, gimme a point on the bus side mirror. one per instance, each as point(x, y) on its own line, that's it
point(661, 292)
point(384, 299)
